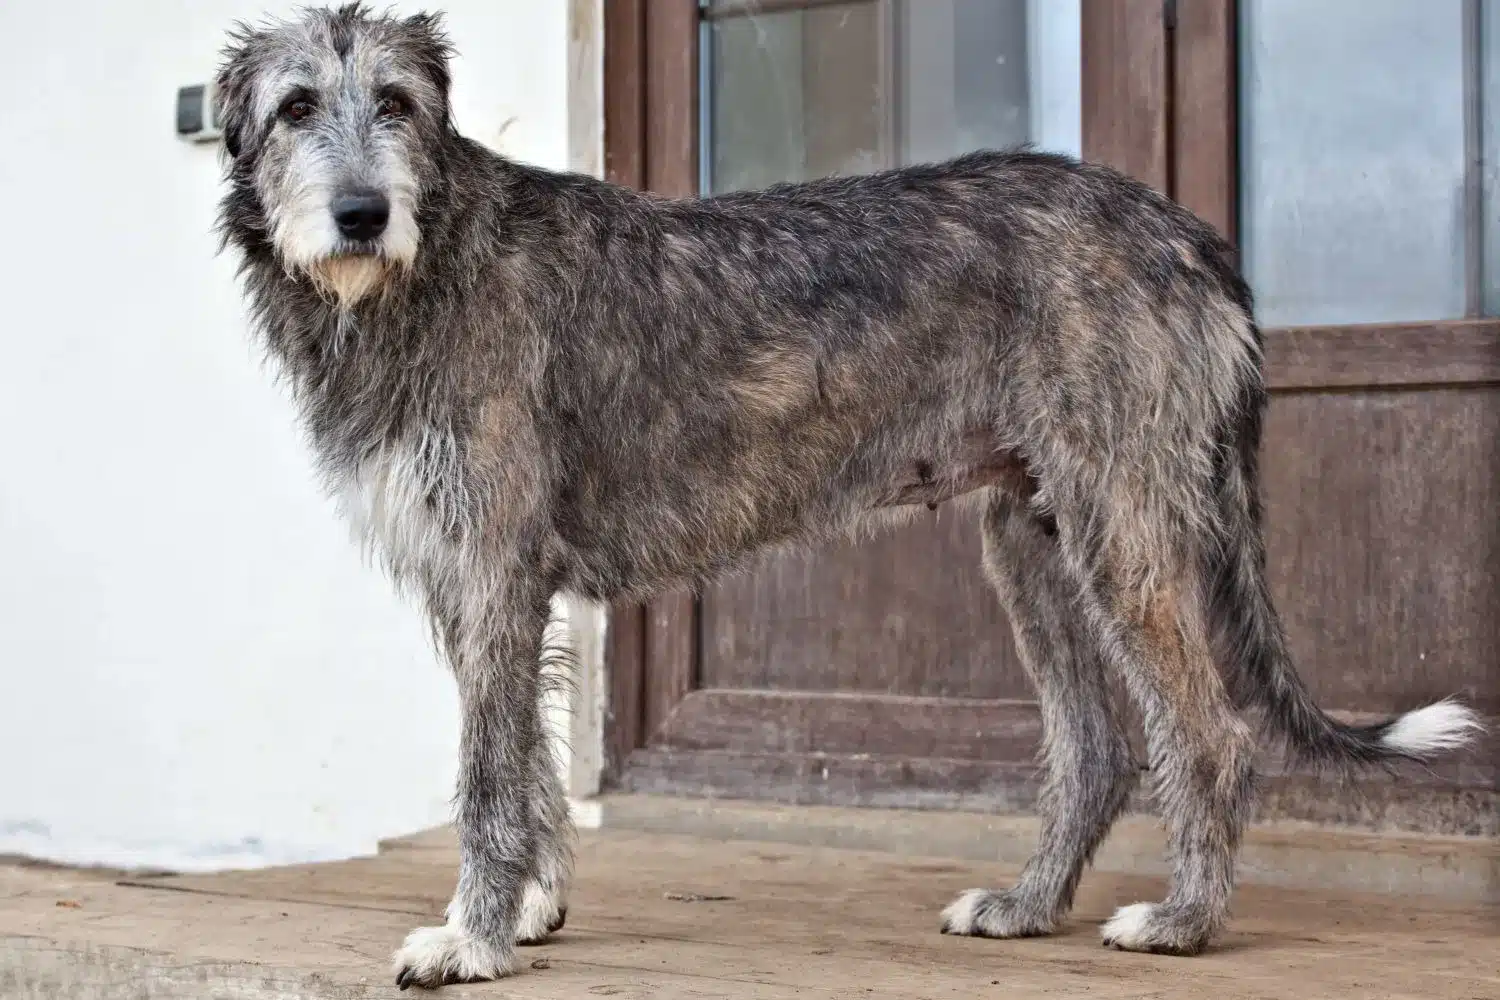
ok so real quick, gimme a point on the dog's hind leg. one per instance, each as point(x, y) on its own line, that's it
point(1142, 563)
point(1090, 773)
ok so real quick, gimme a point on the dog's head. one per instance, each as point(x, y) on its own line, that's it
point(331, 123)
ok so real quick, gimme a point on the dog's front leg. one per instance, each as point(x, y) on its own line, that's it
point(493, 637)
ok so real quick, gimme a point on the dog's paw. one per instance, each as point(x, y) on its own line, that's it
point(1148, 927)
point(438, 956)
point(542, 912)
point(983, 913)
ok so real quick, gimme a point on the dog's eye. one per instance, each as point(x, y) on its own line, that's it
point(296, 109)
point(392, 107)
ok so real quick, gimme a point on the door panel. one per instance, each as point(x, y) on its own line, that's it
point(907, 612)
point(1385, 545)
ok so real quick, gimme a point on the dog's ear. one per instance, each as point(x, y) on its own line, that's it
point(433, 47)
point(232, 87)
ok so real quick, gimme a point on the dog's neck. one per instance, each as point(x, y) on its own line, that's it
point(393, 342)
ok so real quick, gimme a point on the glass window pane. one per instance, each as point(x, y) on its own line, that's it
point(795, 95)
point(1352, 151)
point(852, 87)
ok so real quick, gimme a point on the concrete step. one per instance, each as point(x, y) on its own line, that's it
point(1291, 855)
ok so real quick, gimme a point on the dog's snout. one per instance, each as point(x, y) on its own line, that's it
point(361, 215)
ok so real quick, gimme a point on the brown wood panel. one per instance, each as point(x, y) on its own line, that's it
point(672, 96)
point(877, 780)
point(671, 655)
point(1125, 88)
point(671, 168)
point(1447, 352)
point(1378, 801)
point(1204, 115)
point(625, 663)
point(650, 134)
point(771, 722)
point(904, 612)
point(828, 722)
point(624, 163)
point(625, 92)
point(1384, 542)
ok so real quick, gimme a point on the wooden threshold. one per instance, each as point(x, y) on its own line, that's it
point(1375, 800)
point(953, 733)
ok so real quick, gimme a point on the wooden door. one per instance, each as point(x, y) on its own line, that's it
point(883, 673)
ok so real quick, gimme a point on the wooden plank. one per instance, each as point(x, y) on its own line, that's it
point(872, 780)
point(906, 611)
point(1383, 544)
point(420, 884)
point(1404, 800)
point(1439, 353)
point(799, 922)
point(624, 163)
point(1125, 88)
point(625, 92)
point(625, 662)
point(672, 96)
point(671, 657)
point(830, 722)
point(957, 729)
point(1294, 855)
point(1204, 111)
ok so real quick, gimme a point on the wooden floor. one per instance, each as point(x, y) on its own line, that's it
point(778, 921)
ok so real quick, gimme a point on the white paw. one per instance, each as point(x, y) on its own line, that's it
point(542, 912)
point(1129, 928)
point(985, 913)
point(436, 956)
point(961, 915)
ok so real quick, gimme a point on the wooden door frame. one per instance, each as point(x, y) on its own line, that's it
point(650, 142)
point(1159, 101)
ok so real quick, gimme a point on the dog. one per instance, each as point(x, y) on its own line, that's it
point(521, 382)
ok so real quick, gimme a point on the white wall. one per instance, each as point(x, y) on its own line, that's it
point(195, 666)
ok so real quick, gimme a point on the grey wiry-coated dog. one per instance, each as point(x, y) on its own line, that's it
point(523, 382)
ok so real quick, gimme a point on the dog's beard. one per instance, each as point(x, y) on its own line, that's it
point(347, 279)
point(308, 243)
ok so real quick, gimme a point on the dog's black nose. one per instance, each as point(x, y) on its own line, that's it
point(361, 215)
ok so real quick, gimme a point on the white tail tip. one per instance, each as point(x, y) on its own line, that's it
point(1445, 725)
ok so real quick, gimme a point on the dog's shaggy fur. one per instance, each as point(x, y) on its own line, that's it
point(527, 382)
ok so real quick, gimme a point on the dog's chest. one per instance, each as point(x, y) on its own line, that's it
point(404, 501)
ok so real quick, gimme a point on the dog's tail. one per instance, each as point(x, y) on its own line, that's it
point(1250, 635)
